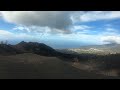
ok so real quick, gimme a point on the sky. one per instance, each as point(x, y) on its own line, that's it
point(61, 29)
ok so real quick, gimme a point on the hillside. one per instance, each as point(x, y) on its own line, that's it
point(30, 66)
point(8, 50)
point(34, 47)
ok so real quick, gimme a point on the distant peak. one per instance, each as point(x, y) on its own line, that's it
point(22, 42)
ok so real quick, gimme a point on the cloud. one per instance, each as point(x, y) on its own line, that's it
point(30, 29)
point(53, 19)
point(22, 28)
point(38, 29)
point(111, 30)
point(95, 15)
point(5, 33)
point(81, 27)
point(16, 37)
point(0, 14)
point(110, 35)
point(111, 39)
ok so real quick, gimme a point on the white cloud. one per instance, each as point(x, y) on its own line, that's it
point(16, 37)
point(22, 28)
point(111, 35)
point(53, 19)
point(95, 15)
point(56, 21)
point(0, 14)
point(33, 29)
point(111, 39)
point(111, 29)
point(81, 27)
point(6, 35)
point(38, 29)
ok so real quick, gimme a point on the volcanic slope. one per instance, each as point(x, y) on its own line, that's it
point(32, 66)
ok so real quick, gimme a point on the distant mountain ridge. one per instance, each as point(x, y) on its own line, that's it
point(96, 49)
point(8, 49)
point(45, 50)
point(26, 47)
point(32, 47)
